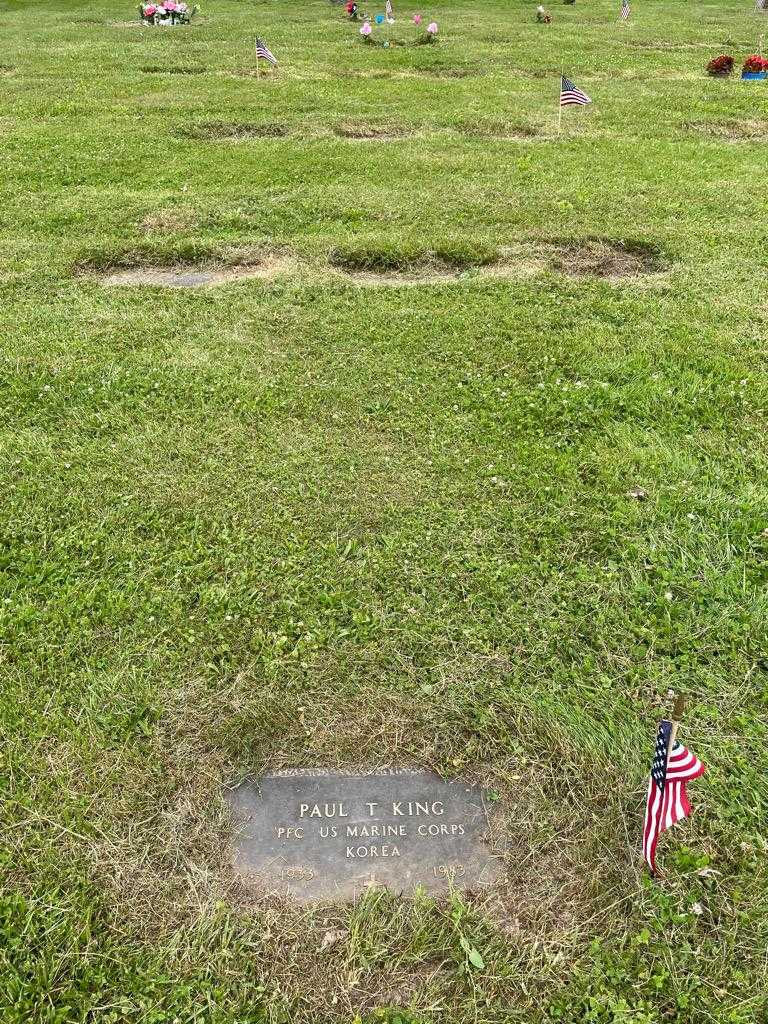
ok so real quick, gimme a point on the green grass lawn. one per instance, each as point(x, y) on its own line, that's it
point(302, 521)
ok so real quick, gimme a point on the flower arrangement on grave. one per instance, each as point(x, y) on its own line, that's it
point(429, 35)
point(755, 66)
point(722, 65)
point(351, 9)
point(166, 12)
point(370, 34)
point(541, 15)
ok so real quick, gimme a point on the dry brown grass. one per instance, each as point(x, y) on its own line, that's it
point(235, 131)
point(505, 130)
point(608, 259)
point(185, 276)
point(159, 69)
point(371, 132)
point(603, 257)
point(744, 130)
point(161, 845)
point(168, 221)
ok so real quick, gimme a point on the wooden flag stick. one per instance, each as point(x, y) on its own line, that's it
point(559, 102)
point(677, 715)
point(256, 45)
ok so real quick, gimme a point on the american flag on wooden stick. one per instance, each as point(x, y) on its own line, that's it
point(667, 798)
point(571, 95)
point(626, 10)
point(264, 52)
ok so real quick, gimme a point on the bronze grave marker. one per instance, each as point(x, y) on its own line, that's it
point(319, 836)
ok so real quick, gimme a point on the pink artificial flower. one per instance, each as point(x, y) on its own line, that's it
point(417, 19)
point(169, 5)
point(366, 29)
point(149, 10)
point(432, 28)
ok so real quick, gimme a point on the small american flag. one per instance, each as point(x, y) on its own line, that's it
point(571, 95)
point(388, 11)
point(667, 798)
point(626, 10)
point(264, 52)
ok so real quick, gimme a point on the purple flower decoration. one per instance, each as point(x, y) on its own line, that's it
point(366, 29)
point(432, 28)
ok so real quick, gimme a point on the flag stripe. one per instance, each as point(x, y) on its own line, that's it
point(264, 52)
point(667, 801)
point(571, 95)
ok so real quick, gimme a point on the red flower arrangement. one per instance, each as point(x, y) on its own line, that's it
point(754, 64)
point(722, 65)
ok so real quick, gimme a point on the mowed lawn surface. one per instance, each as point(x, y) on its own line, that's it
point(298, 521)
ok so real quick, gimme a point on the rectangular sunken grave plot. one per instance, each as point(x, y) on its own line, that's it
point(319, 836)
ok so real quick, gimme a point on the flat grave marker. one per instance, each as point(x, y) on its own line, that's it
point(322, 836)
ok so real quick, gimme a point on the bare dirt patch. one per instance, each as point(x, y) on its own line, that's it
point(604, 257)
point(370, 132)
point(233, 131)
point(204, 274)
point(747, 130)
point(398, 278)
